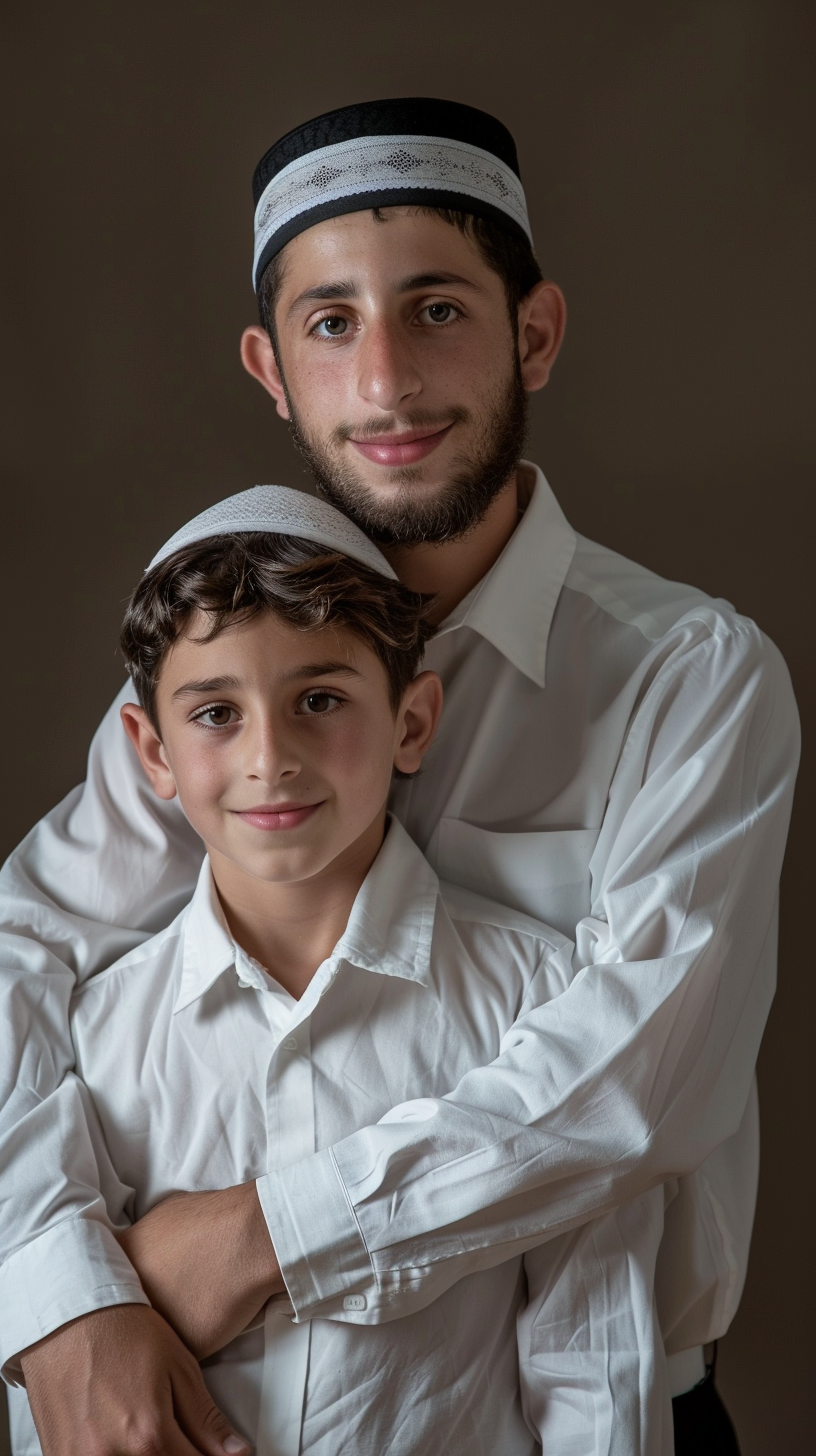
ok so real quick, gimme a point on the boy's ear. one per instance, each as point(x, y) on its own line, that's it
point(150, 749)
point(417, 720)
point(258, 358)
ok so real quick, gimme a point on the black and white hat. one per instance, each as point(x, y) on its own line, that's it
point(380, 154)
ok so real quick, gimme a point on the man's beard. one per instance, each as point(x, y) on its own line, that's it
point(406, 519)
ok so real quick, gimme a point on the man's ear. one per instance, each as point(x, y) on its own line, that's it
point(150, 749)
point(417, 719)
point(542, 320)
point(258, 358)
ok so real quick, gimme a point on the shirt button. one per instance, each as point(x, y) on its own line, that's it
point(290, 1044)
point(355, 1301)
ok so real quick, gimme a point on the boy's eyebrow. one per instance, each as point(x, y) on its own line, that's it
point(321, 669)
point(222, 684)
point(347, 288)
point(206, 685)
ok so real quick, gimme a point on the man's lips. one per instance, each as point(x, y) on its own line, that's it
point(401, 449)
point(278, 816)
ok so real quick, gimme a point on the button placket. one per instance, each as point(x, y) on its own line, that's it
point(290, 1122)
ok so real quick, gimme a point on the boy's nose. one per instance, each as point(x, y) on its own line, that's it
point(271, 753)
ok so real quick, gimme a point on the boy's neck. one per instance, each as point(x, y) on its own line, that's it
point(291, 928)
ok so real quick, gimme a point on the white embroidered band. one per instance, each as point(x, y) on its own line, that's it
point(377, 170)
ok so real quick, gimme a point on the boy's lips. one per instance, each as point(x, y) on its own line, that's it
point(404, 448)
point(277, 816)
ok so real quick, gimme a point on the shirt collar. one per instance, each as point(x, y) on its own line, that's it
point(513, 605)
point(390, 928)
point(208, 948)
point(389, 931)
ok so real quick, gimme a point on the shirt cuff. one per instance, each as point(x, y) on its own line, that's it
point(321, 1251)
point(70, 1270)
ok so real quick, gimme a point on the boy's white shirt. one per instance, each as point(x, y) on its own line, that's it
point(638, 800)
point(204, 1072)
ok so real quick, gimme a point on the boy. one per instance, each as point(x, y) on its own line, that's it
point(319, 977)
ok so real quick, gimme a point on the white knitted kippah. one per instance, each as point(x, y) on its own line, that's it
point(281, 512)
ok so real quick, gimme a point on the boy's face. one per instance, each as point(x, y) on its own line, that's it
point(280, 744)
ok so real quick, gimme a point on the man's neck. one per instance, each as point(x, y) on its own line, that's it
point(448, 570)
point(291, 928)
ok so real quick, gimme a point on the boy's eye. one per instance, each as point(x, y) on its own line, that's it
point(217, 715)
point(316, 703)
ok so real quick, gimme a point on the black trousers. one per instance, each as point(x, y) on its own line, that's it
point(702, 1425)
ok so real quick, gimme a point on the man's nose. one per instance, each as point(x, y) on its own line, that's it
point(388, 376)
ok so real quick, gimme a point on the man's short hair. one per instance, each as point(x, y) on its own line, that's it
point(505, 250)
point(234, 577)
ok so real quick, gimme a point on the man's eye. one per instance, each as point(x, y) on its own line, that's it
point(317, 703)
point(332, 328)
point(217, 715)
point(440, 313)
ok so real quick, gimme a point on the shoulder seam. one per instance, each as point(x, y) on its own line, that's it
point(720, 620)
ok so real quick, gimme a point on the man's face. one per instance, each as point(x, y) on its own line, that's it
point(401, 372)
point(280, 744)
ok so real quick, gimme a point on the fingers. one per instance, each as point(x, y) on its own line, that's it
point(171, 1440)
point(201, 1420)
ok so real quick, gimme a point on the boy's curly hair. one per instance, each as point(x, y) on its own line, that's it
point(233, 577)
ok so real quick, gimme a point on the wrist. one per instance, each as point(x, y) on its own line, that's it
point(256, 1241)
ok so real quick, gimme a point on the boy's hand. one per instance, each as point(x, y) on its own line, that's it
point(119, 1382)
point(206, 1263)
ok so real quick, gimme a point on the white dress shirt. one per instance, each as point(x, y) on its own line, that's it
point(616, 756)
point(204, 1072)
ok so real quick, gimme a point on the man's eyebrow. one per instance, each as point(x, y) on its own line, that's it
point(343, 288)
point(437, 280)
point(347, 288)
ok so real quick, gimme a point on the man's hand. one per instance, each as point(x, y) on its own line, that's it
point(119, 1381)
point(206, 1263)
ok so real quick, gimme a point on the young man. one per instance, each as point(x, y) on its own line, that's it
point(320, 973)
point(618, 756)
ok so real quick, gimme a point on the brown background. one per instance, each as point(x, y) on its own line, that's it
point(665, 150)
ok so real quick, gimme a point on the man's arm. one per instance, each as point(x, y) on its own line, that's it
point(108, 867)
point(103, 1371)
point(207, 1263)
point(641, 1068)
point(635, 1073)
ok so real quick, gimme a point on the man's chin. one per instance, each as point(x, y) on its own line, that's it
point(362, 480)
point(391, 482)
point(439, 498)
